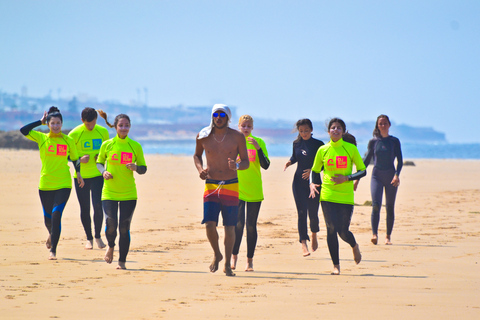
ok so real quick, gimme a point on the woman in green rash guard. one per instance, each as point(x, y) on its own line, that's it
point(250, 191)
point(336, 197)
point(55, 180)
point(119, 157)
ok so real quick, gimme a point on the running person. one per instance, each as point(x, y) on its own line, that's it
point(222, 145)
point(336, 197)
point(250, 191)
point(383, 148)
point(304, 149)
point(119, 157)
point(88, 138)
point(55, 179)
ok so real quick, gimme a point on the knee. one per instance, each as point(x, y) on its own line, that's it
point(251, 229)
point(375, 207)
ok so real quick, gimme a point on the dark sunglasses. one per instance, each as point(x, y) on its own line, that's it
point(221, 114)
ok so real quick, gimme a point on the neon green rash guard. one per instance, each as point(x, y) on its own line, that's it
point(337, 158)
point(88, 142)
point(54, 152)
point(115, 154)
point(250, 180)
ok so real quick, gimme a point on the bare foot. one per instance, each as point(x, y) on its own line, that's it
point(100, 243)
point(48, 243)
point(109, 255)
point(216, 260)
point(357, 256)
point(314, 242)
point(249, 267)
point(388, 241)
point(305, 251)
point(52, 256)
point(336, 270)
point(374, 239)
point(228, 271)
point(89, 245)
point(234, 261)
point(121, 265)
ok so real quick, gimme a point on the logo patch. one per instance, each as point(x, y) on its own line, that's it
point(342, 162)
point(96, 144)
point(330, 162)
point(126, 157)
point(252, 155)
point(61, 149)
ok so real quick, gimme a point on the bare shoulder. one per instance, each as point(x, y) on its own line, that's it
point(236, 134)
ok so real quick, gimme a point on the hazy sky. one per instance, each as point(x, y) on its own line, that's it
point(416, 61)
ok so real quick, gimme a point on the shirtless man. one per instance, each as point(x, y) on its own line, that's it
point(222, 145)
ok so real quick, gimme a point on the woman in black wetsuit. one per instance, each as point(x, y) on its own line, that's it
point(383, 148)
point(304, 150)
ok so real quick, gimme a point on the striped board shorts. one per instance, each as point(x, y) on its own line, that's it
point(221, 196)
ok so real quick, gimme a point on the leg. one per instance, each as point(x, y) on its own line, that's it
point(60, 200)
point(331, 217)
point(83, 196)
point(111, 223)
point(229, 241)
point(301, 199)
point(212, 236)
point(47, 198)
point(376, 189)
point(238, 233)
point(313, 205)
point(390, 196)
point(96, 189)
point(345, 214)
point(253, 209)
point(126, 213)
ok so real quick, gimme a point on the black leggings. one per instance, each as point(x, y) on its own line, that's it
point(92, 185)
point(253, 208)
point(53, 203)
point(381, 179)
point(305, 207)
point(112, 222)
point(337, 219)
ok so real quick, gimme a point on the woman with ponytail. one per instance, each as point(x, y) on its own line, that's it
point(55, 185)
point(119, 157)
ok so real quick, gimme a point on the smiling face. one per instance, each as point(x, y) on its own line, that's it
point(245, 127)
point(305, 131)
point(336, 131)
point(122, 127)
point(383, 126)
point(55, 125)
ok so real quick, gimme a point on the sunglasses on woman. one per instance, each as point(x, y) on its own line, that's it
point(221, 114)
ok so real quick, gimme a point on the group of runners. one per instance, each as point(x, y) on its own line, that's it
point(105, 169)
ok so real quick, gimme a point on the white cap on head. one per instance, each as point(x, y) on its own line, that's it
point(205, 132)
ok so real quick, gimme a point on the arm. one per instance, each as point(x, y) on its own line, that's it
point(369, 154)
point(25, 130)
point(264, 161)
point(262, 156)
point(198, 160)
point(242, 153)
point(398, 154)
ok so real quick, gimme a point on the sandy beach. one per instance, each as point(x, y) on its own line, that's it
point(432, 270)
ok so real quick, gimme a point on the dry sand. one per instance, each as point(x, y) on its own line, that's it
point(431, 271)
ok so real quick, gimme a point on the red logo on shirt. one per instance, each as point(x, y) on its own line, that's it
point(252, 155)
point(61, 149)
point(330, 162)
point(51, 148)
point(342, 162)
point(127, 157)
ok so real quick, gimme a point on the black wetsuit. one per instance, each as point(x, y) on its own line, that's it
point(384, 151)
point(304, 152)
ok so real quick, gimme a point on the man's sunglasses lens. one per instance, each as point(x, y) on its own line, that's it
point(221, 114)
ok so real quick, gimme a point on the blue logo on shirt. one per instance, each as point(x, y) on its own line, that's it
point(97, 143)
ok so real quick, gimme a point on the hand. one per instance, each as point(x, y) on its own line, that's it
point(395, 181)
point(355, 185)
point(107, 175)
point(132, 166)
point(232, 164)
point(44, 118)
point(313, 190)
point(204, 174)
point(339, 178)
point(288, 164)
point(254, 142)
point(306, 174)
point(80, 181)
point(85, 159)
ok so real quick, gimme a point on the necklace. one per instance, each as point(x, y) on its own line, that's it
point(222, 138)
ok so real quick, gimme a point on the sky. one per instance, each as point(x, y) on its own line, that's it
point(416, 61)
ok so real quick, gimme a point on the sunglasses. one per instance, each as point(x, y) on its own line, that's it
point(221, 114)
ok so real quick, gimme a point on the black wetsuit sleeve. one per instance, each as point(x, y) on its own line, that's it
point(25, 130)
point(369, 153)
point(398, 154)
point(357, 175)
point(316, 179)
point(76, 165)
point(293, 158)
point(141, 169)
point(264, 161)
